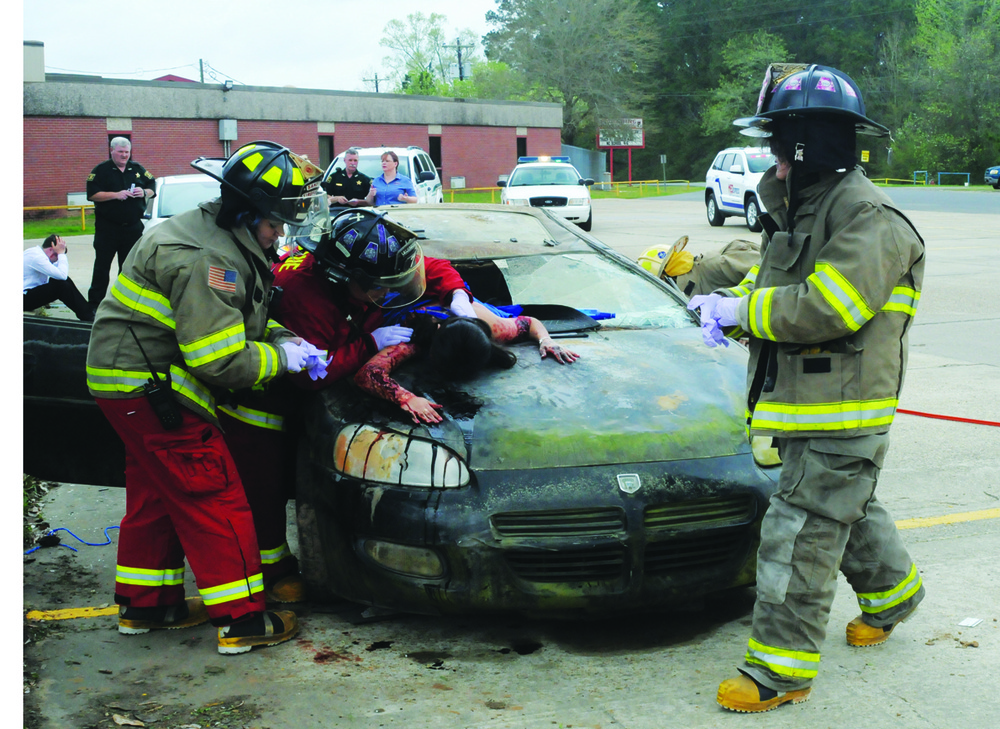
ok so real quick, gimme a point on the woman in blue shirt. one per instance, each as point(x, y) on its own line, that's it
point(390, 188)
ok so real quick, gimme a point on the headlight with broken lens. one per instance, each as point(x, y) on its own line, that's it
point(407, 560)
point(384, 456)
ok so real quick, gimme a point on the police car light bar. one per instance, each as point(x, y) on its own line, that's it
point(542, 159)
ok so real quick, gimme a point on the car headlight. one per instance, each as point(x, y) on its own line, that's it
point(407, 560)
point(517, 201)
point(384, 456)
point(578, 201)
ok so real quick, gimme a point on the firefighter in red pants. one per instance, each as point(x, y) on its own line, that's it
point(186, 320)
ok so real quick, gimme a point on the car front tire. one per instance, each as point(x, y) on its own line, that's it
point(715, 218)
point(752, 212)
point(586, 225)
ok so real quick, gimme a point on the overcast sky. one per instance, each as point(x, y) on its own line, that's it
point(320, 44)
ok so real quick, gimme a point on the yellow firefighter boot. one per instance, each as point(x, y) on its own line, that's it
point(136, 621)
point(862, 635)
point(262, 629)
point(745, 695)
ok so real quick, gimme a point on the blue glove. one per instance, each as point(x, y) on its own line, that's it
point(296, 355)
point(461, 305)
point(388, 336)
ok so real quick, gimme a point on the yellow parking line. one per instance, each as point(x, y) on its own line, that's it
point(928, 521)
point(68, 613)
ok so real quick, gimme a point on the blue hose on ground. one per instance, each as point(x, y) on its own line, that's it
point(52, 533)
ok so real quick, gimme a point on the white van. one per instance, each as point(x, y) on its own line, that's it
point(414, 163)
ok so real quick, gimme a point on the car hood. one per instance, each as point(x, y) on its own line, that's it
point(634, 396)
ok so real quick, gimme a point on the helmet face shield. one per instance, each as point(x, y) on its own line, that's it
point(306, 217)
point(400, 289)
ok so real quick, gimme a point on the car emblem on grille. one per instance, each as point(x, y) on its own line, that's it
point(629, 482)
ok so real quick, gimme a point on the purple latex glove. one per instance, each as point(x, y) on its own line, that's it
point(711, 332)
point(725, 311)
point(316, 361)
point(295, 356)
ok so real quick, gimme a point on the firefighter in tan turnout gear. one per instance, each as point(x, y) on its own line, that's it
point(827, 317)
point(185, 322)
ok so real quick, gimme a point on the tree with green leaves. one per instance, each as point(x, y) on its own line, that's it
point(422, 52)
point(591, 57)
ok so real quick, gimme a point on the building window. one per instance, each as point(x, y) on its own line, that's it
point(522, 147)
point(325, 150)
point(435, 153)
point(112, 135)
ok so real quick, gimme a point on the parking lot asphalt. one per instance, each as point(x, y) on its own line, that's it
point(941, 481)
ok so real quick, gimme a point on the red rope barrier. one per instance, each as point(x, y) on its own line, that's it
point(948, 417)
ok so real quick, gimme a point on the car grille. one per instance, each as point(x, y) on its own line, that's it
point(682, 536)
point(596, 564)
point(696, 551)
point(700, 512)
point(547, 202)
point(563, 523)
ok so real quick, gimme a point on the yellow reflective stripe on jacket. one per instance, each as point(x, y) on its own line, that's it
point(250, 416)
point(824, 416)
point(272, 325)
point(238, 590)
point(214, 346)
point(111, 380)
point(759, 313)
point(149, 578)
point(876, 602)
point(270, 361)
point(745, 286)
point(142, 299)
point(187, 385)
point(273, 556)
point(838, 292)
point(794, 664)
point(903, 299)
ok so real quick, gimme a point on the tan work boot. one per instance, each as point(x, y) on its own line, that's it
point(268, 628)
point(746, 695)
point(138, 620)
point(862, 635)
point(286, 588)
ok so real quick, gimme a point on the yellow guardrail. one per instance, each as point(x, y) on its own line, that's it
point(887, 180)
point(641, 185)
point(82, 208)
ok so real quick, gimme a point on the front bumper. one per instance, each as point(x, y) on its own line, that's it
point(556, 542)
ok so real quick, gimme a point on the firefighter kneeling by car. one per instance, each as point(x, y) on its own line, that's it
point(187, 320)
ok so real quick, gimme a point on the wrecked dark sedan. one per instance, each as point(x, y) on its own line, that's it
point(624, 481)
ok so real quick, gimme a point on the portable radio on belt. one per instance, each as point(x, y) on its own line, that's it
point(157, 391)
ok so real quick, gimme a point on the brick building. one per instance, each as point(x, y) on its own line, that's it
point(68, 121)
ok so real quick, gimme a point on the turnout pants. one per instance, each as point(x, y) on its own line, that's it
point(110, 240)
point(824, 517)
point(265, 459)
point(183, 498)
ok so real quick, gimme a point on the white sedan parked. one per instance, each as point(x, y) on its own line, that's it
point(549, 182)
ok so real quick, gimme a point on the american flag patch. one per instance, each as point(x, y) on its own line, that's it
point(223, 279)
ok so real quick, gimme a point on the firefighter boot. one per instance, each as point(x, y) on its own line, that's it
point(137, 620)
point(285, 588)
point(862, 635)
point(745, 695)
point(268, 628)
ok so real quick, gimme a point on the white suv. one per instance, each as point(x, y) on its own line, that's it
point(549, 182)
point(414, 163)
point(731, 185)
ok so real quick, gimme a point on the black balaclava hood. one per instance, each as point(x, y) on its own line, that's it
point(812, 145)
